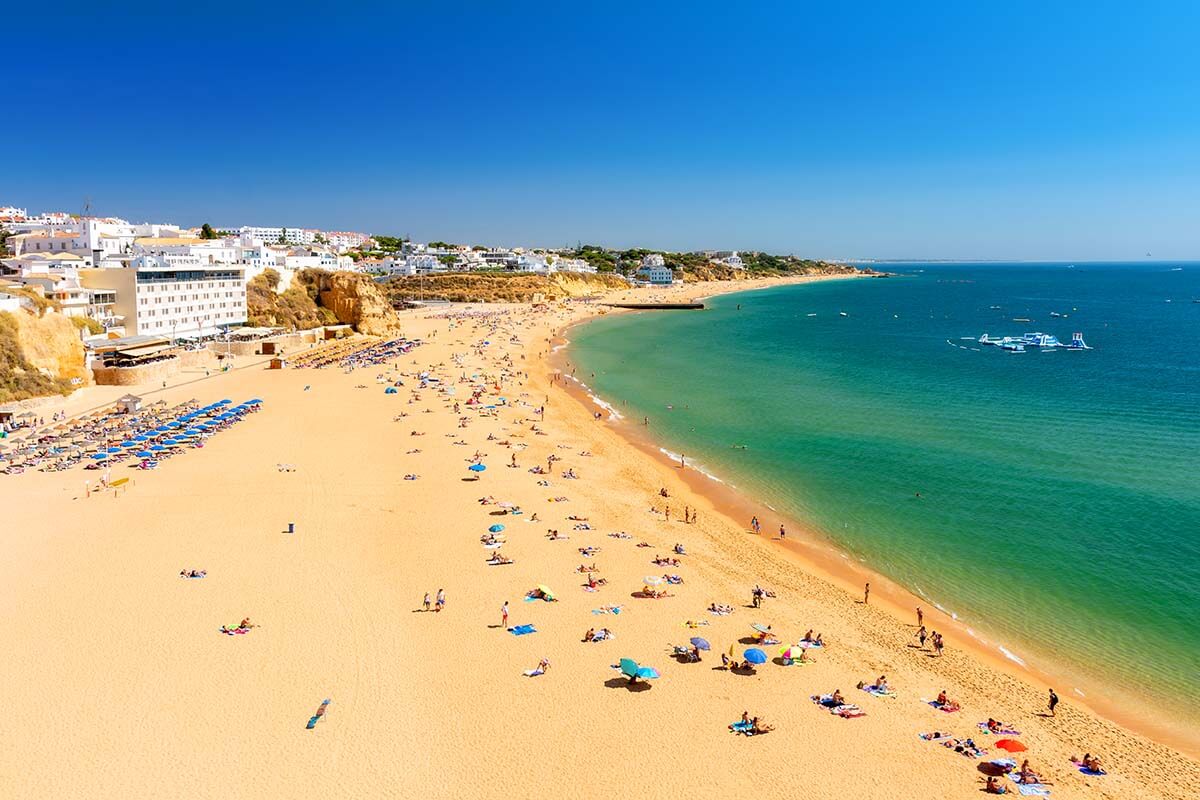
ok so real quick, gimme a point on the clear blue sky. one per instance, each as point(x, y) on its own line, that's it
point(958, 129)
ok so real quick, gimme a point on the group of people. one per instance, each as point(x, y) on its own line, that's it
point(438, 604)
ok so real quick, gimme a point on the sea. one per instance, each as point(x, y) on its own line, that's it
point(1059, 491)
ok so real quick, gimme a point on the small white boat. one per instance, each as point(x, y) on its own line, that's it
point(844, 314)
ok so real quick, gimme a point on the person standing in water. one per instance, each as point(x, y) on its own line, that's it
point(920, 618)
point(782, 531)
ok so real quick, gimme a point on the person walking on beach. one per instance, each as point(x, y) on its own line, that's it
point(867, 593)
point(425, 602)
point(920, 618)
point(504, 615)
point(921, 636)
point(441, 600)
point(782, 532)
point(754, 524)
point(1053, 702)
point(667, 512)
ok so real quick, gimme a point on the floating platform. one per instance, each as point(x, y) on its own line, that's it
point(659, 306)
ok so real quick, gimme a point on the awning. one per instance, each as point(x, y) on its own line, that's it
point(143, 351)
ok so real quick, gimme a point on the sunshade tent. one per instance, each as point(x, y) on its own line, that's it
point(699, 643)
point(496, 528)
point(633, 671)
point(477, 468)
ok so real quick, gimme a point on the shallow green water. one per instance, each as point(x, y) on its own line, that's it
point(1060, 491)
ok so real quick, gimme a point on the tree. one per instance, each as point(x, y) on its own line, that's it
point(320, 239)
point(207, 232)
point(283, 236)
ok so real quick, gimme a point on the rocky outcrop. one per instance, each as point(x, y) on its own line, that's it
point(317, 298)
point(502, 288)
point(39, 356)
point(356, 300)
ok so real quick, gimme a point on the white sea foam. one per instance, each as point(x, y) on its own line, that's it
point(1010, 655)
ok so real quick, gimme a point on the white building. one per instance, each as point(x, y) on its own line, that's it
point(300, 236)
point(346, 240)
point(174, 295)
point(652, 260)
point(12, 214)
point(657, 275)
point(76, 300)
point(572, 265)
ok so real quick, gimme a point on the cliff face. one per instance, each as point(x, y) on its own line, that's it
point(720, 272)
point(355, 299)
point(318, 298)
point(39, 356)
point(493, 288)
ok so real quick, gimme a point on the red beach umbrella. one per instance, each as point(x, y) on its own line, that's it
point(1011, 745)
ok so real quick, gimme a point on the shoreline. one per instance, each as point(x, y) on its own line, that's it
point(818, 553)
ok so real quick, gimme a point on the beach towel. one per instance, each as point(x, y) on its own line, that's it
point(928, 737)
point(741, 727)
point(1002, 732)
point(533, 673)
point(1034, 789)
point(1087, 771)
point(607, 610)
point(317, 717)
point(521, 630)
point(939, 706)
point(875, 690)
point(848, 711)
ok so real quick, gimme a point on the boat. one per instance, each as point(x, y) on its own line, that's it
point(994, 308)
point(843, 314)
point(812, 315)
point(1055, 314)
point(1022, 319)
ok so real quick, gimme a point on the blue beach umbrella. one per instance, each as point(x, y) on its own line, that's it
point(144, 454)
point(496, 528)
point(98, 456)
point(129, 443)
point(158, 448)
point(755, 656)
point(700, 644)
point(477, 468)
point(141, 438)
point(113, 450)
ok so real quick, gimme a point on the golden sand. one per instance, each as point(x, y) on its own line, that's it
point(119, 683)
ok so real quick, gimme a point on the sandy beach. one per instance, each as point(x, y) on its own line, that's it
point(122, 684)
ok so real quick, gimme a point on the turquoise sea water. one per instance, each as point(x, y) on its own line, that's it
point(1060, 491)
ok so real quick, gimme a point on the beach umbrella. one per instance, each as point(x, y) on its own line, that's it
point(158, 448)
point(545, 590)
point(224, 402)
point(1011, 745)
point(255, 402)
point(477, 468)
point(130, 443)
point(144, 454)
point(761, 628)
point(632, 670)
point(99, 456)
point(755, 656)
point(173, 424)
point(113, 450)
point(652, 580)
point(141, 438)
point(496, 528)
point(701, 644)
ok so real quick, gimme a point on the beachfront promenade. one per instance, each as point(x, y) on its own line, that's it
point(127, 686)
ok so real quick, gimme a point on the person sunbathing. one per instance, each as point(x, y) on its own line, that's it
point(945, 703)
point(590, 636)
point(1026, 775)
point(496, 558)
point(995, 786)
point(757, 727)
point(836, 698)
point(745, 720)
point(593, 583)
point(881, 684)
